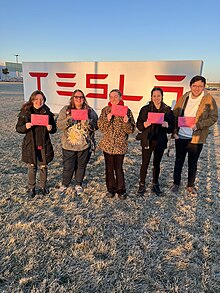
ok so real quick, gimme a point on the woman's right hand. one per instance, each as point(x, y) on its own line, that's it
point(28, 125)
point(109, 116)
point(146, 124)
point(176, 136)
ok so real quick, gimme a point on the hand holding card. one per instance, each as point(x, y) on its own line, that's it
point(79, 114)
point(118, 110)
point(155, 118)
point(186, 121)
point(39, 120)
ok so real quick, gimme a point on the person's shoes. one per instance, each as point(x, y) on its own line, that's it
point(110, 194)
point(45, 191)
point(79, 190)
point(175, 188)
point(122, 195)
point(156, 189)
point(191, 190)
point(31, 193)
point(62, 188)
point(141, 189)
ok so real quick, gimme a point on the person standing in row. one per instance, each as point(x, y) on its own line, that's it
point(114, 144)
point(153, 138)
point(36, 148)
point(189, 139)
point(77, 140)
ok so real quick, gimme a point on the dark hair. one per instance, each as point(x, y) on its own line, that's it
point(72, 103)
point(117, 91)
point(197, 78)
point(29, 104)
point(156, 89)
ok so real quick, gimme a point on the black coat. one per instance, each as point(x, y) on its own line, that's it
point(155, 131)
point(28, 145)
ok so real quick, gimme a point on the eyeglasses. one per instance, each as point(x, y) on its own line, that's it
point(197, 86)
point(78, 97)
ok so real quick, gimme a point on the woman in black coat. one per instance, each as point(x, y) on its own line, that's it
point(153, 138)
point(36, 147)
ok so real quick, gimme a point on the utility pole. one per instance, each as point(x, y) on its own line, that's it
point(16, 56)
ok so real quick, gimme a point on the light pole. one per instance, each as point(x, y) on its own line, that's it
point(16, 56)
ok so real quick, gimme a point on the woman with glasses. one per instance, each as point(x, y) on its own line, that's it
point(114, 143)
point(153, 137)
point(77, 139)
point(194, 113)
point(37, 149)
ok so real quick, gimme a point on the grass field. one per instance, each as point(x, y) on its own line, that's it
point(64, 243)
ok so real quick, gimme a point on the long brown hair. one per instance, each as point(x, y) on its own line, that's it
point(72, 103)
point(29, 104)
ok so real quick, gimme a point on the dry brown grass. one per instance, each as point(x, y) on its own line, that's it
point(94, 244)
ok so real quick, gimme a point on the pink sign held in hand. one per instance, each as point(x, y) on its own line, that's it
point(79, 114)
point(39, 120)
point(118, 110)
point(155, 118)
point(186, 121)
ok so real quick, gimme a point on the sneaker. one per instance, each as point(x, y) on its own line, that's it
point(191, 190)
point(78, 189)
point(62, 188)
point(175, 188)
point(141, 189)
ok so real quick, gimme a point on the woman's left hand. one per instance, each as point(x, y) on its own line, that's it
point(165, 124)
point(125, 119)
point(49, 127)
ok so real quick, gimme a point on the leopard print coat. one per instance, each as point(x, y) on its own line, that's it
point(115, 132)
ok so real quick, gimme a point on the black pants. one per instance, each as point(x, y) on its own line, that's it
point(75, 161)
point(146, 155)
point(184, 146)
point(115, 181)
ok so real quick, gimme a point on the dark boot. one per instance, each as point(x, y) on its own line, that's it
point(141, 189)
point(156, 189)
point(45, 191)
point(31, 193)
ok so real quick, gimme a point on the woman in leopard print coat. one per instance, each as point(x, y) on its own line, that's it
point(114, 144)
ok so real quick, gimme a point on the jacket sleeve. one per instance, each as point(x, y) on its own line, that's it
point(64, 120)
point(142, 117)
point(212, 116)
point(103, 123)
point(129, 127)
point(93, 119)
point(169, 117)
point(21, 124)
point(52, 122)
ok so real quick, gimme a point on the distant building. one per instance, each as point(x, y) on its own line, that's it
point(15, 71)
point(213, 85)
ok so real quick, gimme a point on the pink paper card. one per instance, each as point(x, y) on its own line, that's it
point(118, 110)
point(79, 114)
point(186, 121)
point(40, 120)
point(155, 118)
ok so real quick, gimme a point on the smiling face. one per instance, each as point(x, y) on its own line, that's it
point(114, 98)
point(38, 101)
point(78, 99)
point(197, 88)
point(156, 98)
